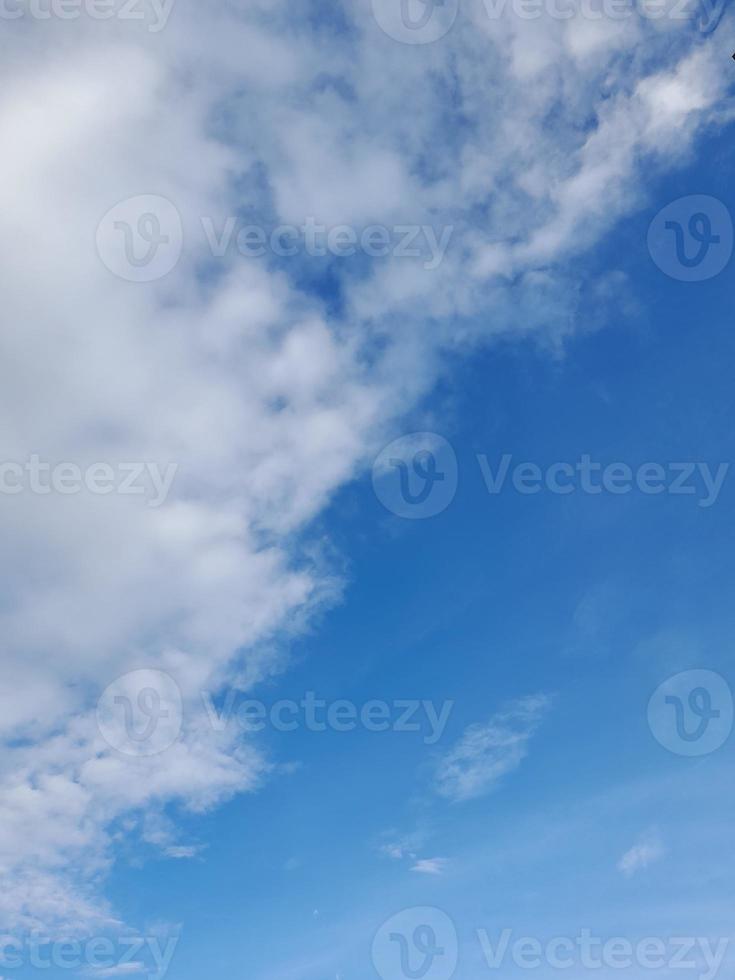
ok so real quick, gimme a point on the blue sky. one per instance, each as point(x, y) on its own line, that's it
point(537, 794)
point(594, 600)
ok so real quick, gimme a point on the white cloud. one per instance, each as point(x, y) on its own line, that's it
point(430, 866)
point(487, 752)
point(399, 846)
point(640, 856)
point(179, 851)
point(119, 970)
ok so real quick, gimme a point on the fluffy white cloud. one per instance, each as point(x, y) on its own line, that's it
point(239, 372)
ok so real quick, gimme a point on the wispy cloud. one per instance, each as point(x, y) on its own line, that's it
point(430, 866)
point(183, 850)
point(119, 970)
point(640, 856)
point(399, 846)
point(487, 752)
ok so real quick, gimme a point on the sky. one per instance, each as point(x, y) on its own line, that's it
point(365, 489)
